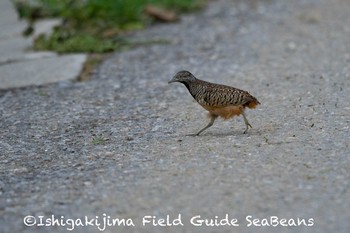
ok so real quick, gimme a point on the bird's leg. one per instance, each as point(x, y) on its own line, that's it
point(246, 122)
point(212, 119)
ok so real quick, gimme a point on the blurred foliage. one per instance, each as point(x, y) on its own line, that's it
point(94, 25)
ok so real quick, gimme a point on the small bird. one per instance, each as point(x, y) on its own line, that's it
point(219, 100)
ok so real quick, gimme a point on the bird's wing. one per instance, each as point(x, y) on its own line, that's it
point(223, 96)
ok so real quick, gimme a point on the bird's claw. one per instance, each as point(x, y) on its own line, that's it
point(192, 134)
point(247, 127)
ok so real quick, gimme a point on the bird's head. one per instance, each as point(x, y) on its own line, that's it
point(183, 77)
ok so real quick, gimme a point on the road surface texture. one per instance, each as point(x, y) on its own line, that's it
point(116, 146)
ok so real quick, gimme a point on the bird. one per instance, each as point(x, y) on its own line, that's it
point(219, 100)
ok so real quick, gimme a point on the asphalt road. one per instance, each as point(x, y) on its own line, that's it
point(117, 145)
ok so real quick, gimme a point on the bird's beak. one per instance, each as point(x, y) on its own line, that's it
point(173, 80)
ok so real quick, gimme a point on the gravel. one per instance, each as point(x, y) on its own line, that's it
point(117, 145)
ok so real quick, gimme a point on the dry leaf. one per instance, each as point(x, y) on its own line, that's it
point(161, 14)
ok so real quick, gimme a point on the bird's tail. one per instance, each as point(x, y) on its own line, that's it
point(252, 103)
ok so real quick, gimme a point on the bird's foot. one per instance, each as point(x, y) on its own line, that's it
point(247, 127)
point(192, 134)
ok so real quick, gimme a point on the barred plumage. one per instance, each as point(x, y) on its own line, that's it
point(219, 100)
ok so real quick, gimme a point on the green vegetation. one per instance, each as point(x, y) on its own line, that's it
point(42, 93)
point(95, 25)
point(99, 139)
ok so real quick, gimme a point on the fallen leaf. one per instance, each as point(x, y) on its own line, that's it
point(161, 14)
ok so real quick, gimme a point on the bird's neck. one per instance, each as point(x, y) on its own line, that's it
point(187, 85)
point(191, 87)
